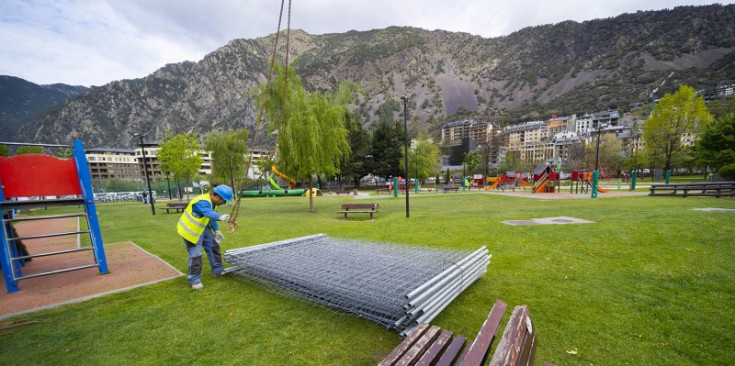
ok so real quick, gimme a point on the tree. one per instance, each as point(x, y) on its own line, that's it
point(512, 162)
point(179, 155)
point(356, 165)
point(62, 153)
point(576, 156)
point(674, 116)
point(423, 162)
point(715, 147)
point(472, 161)
point(386, 150)
point(611, 153)
point(29, 150)
point(4, 151)
point(229, 154)
point(312, 138)
point(721, 107)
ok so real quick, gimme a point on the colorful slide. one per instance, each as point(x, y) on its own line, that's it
point(494, 185)
point(273, 183)
point(285, 177)
point(599, 189)
point(541, 186)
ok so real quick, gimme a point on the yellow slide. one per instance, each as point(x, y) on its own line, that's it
point(276, 172)
point(541, 186)
point(494, 185)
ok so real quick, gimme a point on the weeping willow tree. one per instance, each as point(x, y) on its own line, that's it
point(229, 154)
point(312, 138)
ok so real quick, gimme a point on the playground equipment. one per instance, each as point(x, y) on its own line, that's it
point(283, 176)
point(508, 180)
point(581, 182)
point(39, 175)
point(546, 179)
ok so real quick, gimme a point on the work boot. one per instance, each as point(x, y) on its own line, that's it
point(197, 286)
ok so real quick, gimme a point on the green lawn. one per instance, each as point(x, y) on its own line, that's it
point(650, 283)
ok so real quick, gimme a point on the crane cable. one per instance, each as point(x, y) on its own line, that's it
point(232, 223)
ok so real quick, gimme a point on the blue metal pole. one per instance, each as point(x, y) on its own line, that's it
point(11, 285)
point(85, 183)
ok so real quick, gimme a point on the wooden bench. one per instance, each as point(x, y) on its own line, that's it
point(350, 208)
point(450, 188)
point(176, 206)
point(708, 189)
point(429, 345)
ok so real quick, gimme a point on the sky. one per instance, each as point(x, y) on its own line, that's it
point(93, 42)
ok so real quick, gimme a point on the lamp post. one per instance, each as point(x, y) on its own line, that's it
point(405, 147)
point(596, 174)
point(145, 169)
point(168, 188)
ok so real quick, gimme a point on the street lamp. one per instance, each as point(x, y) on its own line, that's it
point(405, 147)
point(145, 169)
point(168, 188)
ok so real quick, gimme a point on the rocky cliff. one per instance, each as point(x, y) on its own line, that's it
point(568, 67)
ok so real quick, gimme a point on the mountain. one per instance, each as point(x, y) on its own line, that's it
point(21, 101)
point(563, 68)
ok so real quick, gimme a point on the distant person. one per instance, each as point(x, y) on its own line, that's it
point(145, 197)
point(198, 227)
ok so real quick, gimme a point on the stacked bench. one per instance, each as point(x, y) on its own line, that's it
point(350, 208)
point(429, 345)
point(708, 189)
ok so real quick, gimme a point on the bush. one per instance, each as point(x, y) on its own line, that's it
point(727, 171)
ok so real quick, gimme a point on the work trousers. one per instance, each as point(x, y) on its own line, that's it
point(214, 256)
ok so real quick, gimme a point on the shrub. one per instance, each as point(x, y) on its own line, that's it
point(727, 171)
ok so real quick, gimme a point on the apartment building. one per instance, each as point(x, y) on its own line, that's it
point(112, 163)
point(151, 159)
point(454, 132)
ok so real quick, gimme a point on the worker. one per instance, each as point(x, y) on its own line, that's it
point(198, 226)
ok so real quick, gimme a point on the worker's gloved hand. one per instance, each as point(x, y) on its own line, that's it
point(218, 237)
point(224, 217)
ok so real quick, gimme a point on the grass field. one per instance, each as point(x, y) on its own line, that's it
point(650, 283)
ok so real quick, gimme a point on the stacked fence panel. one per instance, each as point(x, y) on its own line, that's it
point(397, 286)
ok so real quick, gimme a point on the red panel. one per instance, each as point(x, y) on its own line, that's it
point(38, 175)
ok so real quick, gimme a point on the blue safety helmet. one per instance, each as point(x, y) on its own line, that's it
point(224, 191)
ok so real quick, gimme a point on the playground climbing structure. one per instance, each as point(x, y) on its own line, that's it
point(24, 178)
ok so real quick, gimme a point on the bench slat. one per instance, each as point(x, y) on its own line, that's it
point(435, 349)
point(397, 352)
point(476, 352)
point(511, 344)
point(418, 348)
point(452, 351)
point(529, 351)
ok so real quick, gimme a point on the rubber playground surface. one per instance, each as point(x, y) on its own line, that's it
point(130, 267)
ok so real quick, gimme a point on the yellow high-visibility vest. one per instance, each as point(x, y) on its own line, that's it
point(189, 227)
